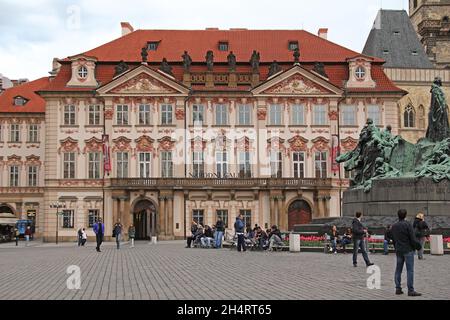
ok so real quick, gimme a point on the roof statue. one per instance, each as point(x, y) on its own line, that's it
point(144, 54)
point(319, 68)
point(231, 58)
point(296, 55)
point(121, 68)
point(187, 61)
point(165, 67)
point(380, 155)
point(254, 61)
point(209, 60)
point(274, 68)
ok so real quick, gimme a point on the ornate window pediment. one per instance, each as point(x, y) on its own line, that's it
point(33, 160)
point(276, 143)
point(198, 143)
point(69, 145)
point(144, 144)
point(121, 144)
point(93, 145)
point(321, 144)
point(14, 160)
point(166, 144)
point(298, 143)
point(348, 144)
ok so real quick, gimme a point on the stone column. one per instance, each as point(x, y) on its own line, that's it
point(115, 209)
point(280, 213)
point(170, 218)
point(121, 210)
point(162, 215)
point(272, 211)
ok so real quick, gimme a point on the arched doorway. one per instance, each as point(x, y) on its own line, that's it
point(144, 219)
point(299, 212)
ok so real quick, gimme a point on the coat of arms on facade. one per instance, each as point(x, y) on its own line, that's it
point(295, 84)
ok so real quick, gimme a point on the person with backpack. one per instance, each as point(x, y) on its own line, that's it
point(358, 232)
point(99, 230)
point(239, 228)
point(220, 229)
point(117, 232)
point(421, 231)
point(80, 236)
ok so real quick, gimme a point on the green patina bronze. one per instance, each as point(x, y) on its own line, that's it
point(380, 155)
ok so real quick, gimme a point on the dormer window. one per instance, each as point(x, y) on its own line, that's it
point(19, 101)
point(82, 72)
point(223, 46)
point(414, 53)
point(153, 45)
point(293, 45)
point(385, 51)
point(396, 33)
point(360, 73)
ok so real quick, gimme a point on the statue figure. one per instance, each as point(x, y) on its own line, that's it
point(297, 55)
point(274, 68)
point(165, 67)
point(319, 68)
point(209, 60)
point(144, 54)
point(438, 127)
point(121, 68)
point(231, 58)
point(187, 61)
point(437, 165)
point(254, 61)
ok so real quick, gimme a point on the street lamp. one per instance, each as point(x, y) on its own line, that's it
point(57, 205)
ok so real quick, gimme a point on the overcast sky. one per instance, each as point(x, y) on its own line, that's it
point(33, 32)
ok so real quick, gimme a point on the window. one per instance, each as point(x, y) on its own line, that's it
point(144, 114)
point(14, 176)
point(144, 164)
point(166, 114)
point(360, 72)
point(223, 214)
point(396, 33)
point(373, 112)
point(69, 165)
point(68, 218)
point(14, 134)
point(245, 169)
point(122, 164)
point(320, 161)
point(82, 72)
point(414, 53)
point(94, 114)
point(198, 163)
point(223, 46)
point(221, 164)
point(93, 216)
point(276, 164)
point(166, 164)
point(348, 115)
point(385, 51)
point(94, 165)
point(298, 159)
point(247, 217)
point(122, 115)
point(298, 115)
point(293, 45)
point(69, 115)
point(198, 216)
point(276, 115)
point(153, 45)
point(409, 117)
point(33, 133)
point(32, 176)
point(415, 4)
point(197, 114)
point(244, 115)
point(320, 115)
point(221, 115)
point(19, 101)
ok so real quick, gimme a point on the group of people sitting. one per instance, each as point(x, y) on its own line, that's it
point(205, 236)
point(260, 239)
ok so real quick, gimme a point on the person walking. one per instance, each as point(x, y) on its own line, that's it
point(83, 237)
point(16, 236)
point(422, 231)
point(118, 233)
point(358, 232)
point(220, 229)
point(80, 236)
point(405, 243)
point(27, 235)
point(99, 230)
point(387, 240)
point(239, 227)
point(132, 234)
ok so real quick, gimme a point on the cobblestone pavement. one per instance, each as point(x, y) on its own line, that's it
point(169, 271)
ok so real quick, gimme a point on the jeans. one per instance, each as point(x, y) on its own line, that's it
point(132, 242)
point(118, 237)
point(359, 243)
point(344, 242)
point(422, 244)
point(241, 242)
point(27, 239)
point(274, 240)
point(17, 241)
point(218, 239)
point(206, 241)
point(83, 242)
point(407, 258)
point(386, 246)
point(333, 245)
point(99, 238)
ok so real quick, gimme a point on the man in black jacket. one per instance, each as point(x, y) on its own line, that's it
point(220, 229)
point(405, 244)
point(359, 232)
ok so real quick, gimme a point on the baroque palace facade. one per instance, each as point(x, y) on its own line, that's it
point(193, 125)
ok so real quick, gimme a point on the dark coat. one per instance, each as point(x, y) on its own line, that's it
point(357, 229)
point(403, 237)
point(421, 228)
point(220, 226)
point(208, 233)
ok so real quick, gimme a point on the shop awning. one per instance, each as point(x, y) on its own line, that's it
point(8, 221)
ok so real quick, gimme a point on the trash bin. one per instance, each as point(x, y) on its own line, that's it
point(436, 244)
point(294, 242)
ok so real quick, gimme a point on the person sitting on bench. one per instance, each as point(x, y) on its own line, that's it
point(346, 239)
point(207, 238)
point(274, 237)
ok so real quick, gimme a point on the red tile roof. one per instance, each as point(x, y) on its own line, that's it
point(35, 103)
point(272, 45)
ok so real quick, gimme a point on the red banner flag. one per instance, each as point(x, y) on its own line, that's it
point(106, 155)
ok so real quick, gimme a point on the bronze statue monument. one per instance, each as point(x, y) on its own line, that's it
point(187, 61)
point(438, 128)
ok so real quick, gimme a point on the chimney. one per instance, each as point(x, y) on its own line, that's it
point(323, 33)
point(126, 28)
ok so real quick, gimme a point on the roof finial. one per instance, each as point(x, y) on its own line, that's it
point(296, 56)
point(144, 55)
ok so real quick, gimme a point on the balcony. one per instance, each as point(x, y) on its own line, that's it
point(209, 183)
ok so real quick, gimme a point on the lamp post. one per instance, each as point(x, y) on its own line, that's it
point(57, 205)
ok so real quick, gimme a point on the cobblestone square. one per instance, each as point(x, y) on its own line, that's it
point(168, 271)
